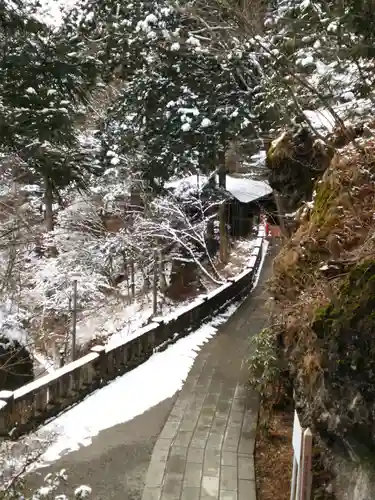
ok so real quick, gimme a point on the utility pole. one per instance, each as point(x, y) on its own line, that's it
point(163, 281)
point(132, 277)
point(74, 320)
point(126, 273)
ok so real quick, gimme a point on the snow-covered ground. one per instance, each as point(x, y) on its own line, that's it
point(118, 320)
point(134, 393)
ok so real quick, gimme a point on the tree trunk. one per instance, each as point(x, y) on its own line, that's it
point(211, 244)
point(222, 221)
point(281, 214)
point(155, 284)
point(163, 280)
point(223, 235)
point(132, 277)
point(48, 202)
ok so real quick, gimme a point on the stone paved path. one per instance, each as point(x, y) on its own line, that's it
point(206, 448)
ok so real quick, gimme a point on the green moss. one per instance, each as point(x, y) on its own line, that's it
point(271, 152)
point(360, 279)
point(324, 198)
point(348, 322)
point(280, 148)
point(346, 336)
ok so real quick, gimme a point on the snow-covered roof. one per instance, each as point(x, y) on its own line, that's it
point(243, 189)
point(188, 185)
point(324, 122)
point(321, 119)
point(247, 190)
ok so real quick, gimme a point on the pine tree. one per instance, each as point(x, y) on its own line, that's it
point(183, 99)
point(319, 56)
point(45, 77)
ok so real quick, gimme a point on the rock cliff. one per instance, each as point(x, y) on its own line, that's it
point(324, 293)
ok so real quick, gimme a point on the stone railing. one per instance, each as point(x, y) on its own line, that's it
point(43, 399)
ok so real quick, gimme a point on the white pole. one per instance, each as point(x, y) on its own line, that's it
point(74, 320)
point(294, 476)
point(298, 493)
point(306, 474)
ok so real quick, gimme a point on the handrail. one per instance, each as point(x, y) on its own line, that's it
point(44, 398)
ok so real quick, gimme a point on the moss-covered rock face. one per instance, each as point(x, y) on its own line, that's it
point(345, 330)
point(324, 297)
point(294, 161)
point(16, 365)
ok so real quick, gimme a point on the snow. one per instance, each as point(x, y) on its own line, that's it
point(242, 188)
point(321, 119)
point(115, 321)
point(47, 379)
point(133, 394)
point(259, 159)
point(192, 40)
point(187, 185)
point(118, 339)
point(10, 325)
point(265, 245)
point(239, 257)
point(82, 491)
point(205, 123)
point(247, 190)
point(186, 127)
point(46, 364)
point(186, 111)
point(51, 11)
point(45, 491)
point(306, 61)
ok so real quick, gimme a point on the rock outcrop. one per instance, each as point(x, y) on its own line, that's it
point(295, 160)
point(324, 294)
point(16, 364)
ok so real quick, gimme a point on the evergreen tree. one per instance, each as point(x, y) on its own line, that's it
point(182, 112)
point(185, 96)
point(318, 54)
point(45, 78)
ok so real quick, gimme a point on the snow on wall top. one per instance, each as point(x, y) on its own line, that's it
point(243, 189)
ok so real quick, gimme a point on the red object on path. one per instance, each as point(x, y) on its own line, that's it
point(275, 232)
